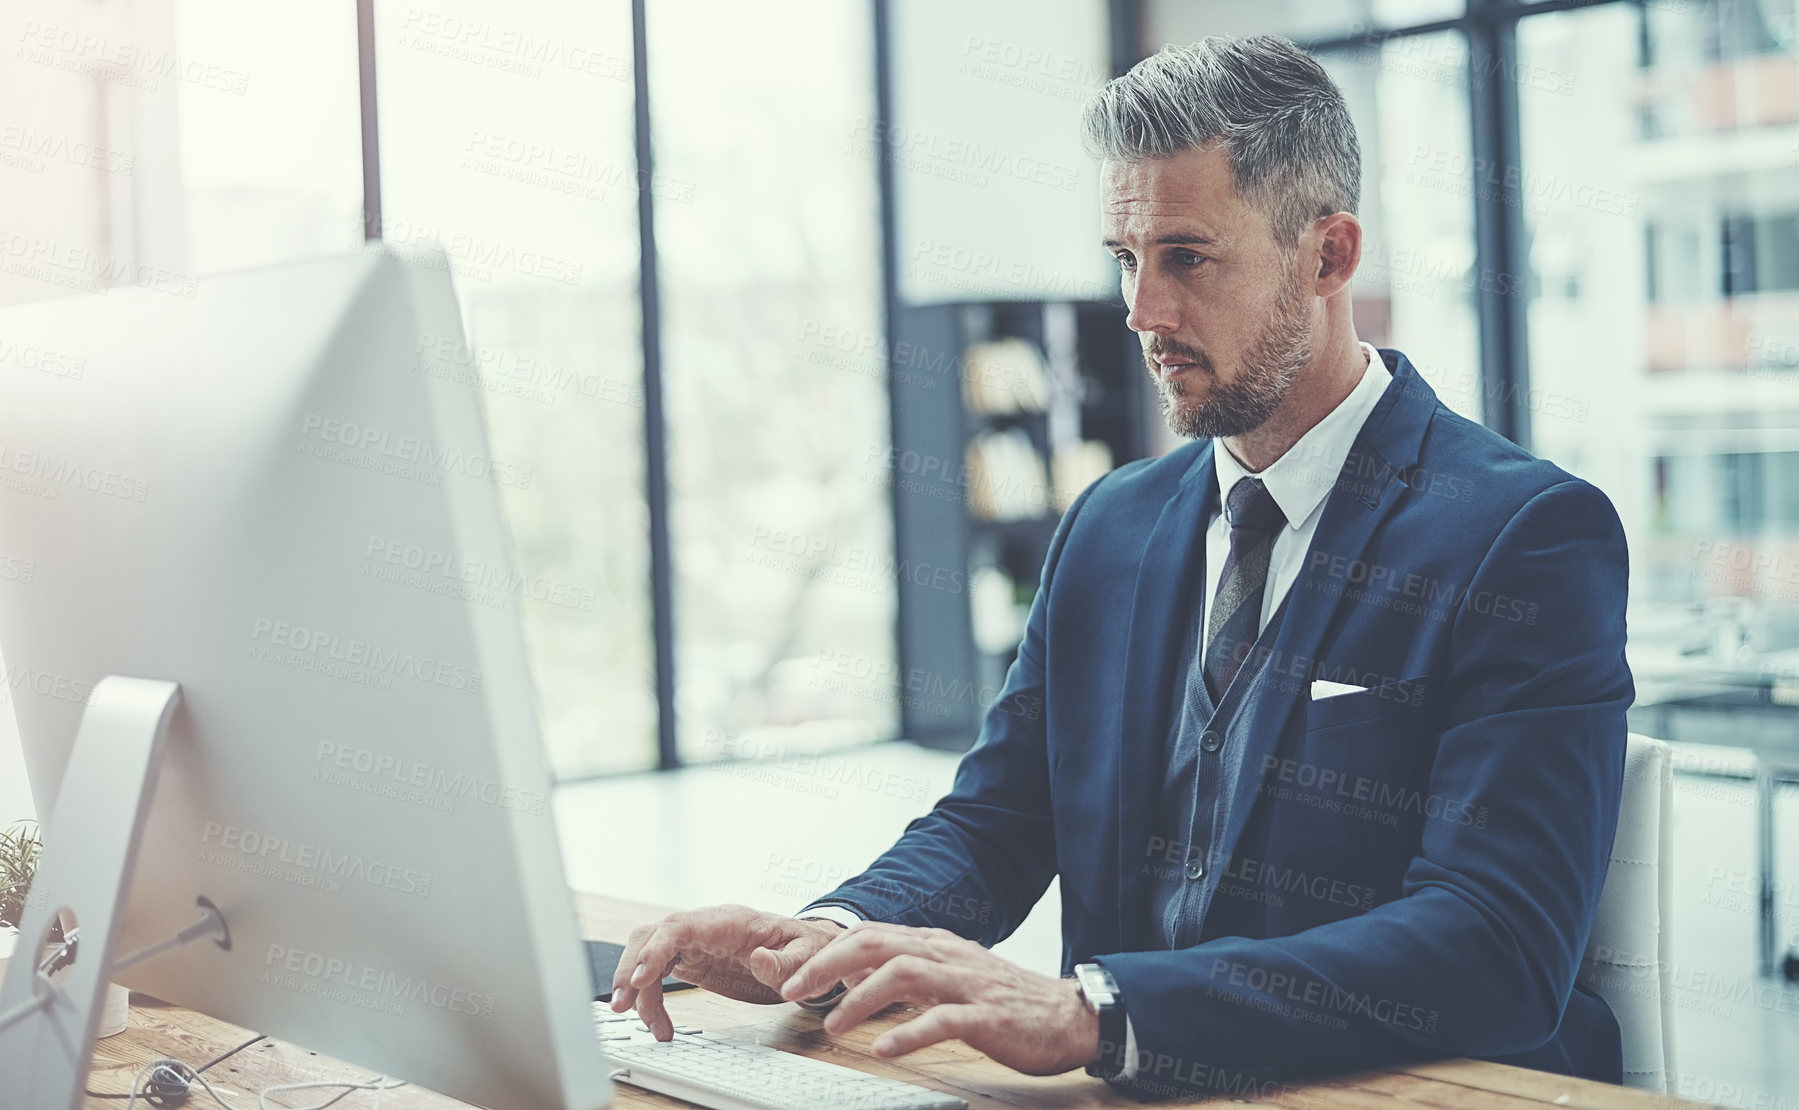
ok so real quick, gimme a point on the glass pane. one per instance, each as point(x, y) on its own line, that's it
point(1712, 66)
point(507, 142)
point(768, 232)
point(270, 128)
point(1684, 406)
point(1417, 282)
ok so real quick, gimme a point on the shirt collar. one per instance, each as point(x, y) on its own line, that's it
point(1300, 479)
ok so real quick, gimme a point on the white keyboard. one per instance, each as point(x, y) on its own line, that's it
point(725, 1074)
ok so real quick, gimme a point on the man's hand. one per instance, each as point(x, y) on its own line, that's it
point(1030, 1022)
point(733, 950)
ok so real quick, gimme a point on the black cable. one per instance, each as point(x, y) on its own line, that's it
point(165, 1086)
point(171, 1082)
point(168, 1087)
point(228, 1055)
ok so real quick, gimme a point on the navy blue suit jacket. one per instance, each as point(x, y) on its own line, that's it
point(1414, 868)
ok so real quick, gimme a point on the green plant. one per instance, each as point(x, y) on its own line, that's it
point(20, 848)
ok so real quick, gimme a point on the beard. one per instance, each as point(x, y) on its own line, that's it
point(1269, 367)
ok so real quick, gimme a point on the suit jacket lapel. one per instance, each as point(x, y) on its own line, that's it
point(1169, 584)
point(1370, 484)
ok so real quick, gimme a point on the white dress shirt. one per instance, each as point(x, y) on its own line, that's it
point(1299, 482)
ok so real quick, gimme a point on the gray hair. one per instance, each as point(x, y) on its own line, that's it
point(1282, 120)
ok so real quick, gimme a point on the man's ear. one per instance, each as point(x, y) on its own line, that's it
point(1339, 251)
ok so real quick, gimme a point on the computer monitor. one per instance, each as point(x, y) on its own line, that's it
point(274, 493)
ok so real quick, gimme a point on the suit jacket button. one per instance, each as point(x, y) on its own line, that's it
point(1196, 869)
point(1210, 740)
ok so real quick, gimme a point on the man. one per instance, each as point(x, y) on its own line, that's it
point(1319, 719)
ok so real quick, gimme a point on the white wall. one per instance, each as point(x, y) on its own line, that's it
point(15, 792)
point(996, 199)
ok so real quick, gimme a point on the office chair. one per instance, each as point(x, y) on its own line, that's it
point(1627, 961)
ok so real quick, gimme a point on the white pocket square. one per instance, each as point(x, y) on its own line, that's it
point(1322, 689)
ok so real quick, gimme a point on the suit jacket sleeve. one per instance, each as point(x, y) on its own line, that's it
point(1478, 953)
point(979, 861)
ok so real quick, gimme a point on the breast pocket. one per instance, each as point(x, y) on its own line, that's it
point(1365, 758)
point(1346, 793)
point(1394, 699)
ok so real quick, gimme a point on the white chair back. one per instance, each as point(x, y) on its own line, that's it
point(1627, 961)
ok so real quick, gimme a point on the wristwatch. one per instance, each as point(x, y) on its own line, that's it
point(1100, 992)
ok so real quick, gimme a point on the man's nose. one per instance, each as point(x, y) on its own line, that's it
point(1153, 307)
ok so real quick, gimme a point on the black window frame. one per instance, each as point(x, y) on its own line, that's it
point(1489, 28)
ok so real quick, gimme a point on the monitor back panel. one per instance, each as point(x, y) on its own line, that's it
point(258, 493)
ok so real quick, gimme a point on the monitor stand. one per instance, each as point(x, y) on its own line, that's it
point(90, 844)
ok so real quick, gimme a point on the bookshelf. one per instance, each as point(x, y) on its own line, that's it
point(1002, 413)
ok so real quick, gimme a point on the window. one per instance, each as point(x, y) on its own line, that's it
point(506, 142)
point(1671, 381)
point(507, 146)
point(767, 228)
point(1414, 287)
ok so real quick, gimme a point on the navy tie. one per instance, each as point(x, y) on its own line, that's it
point(1236, 616)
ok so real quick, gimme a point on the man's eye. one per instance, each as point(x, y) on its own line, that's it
point(1188, 259)
point(1126, 261)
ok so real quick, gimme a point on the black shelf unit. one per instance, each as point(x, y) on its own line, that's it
point(1100, 390)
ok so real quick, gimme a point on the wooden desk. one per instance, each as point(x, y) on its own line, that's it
point(163, 1030)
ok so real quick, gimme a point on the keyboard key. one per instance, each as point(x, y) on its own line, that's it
point(739, 1073)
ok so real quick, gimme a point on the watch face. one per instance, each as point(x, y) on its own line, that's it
point(1097, 985)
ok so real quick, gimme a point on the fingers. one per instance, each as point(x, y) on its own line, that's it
point(949, 1022)
point(654, 960)
point(659, 952)
point(904, 978)
point(652, 1012)
point(623, 994)
point(774, 966)
point(860, 949)
point(734, 950)
point(707, 946)
point(638, 979)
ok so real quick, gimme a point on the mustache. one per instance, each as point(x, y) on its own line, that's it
point(1162, 346)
